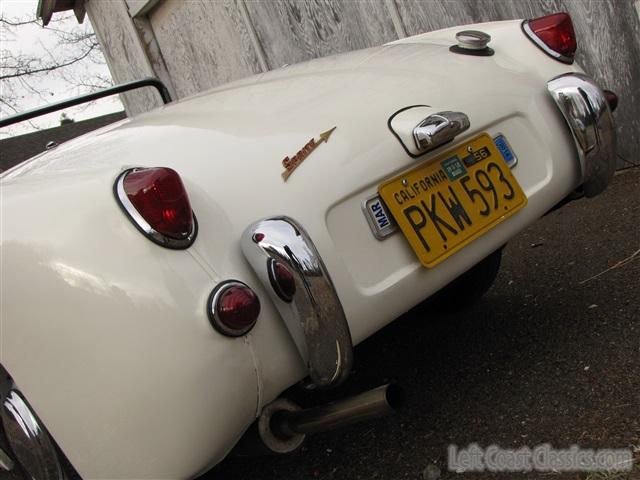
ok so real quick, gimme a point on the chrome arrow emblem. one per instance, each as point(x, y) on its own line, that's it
point(290, 164)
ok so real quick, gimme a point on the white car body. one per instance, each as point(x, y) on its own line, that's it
point(106, 333)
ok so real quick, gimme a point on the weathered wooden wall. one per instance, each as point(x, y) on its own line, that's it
point(193, 45)
point(291, 32)
point(123, 51)
point(204, 43)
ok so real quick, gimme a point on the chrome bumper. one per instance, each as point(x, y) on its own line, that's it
point(314, 317)
point(586, 110)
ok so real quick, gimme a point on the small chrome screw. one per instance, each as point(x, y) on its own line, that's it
point(404, 182)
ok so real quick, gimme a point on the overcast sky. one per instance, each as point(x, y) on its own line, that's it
point(33, 39)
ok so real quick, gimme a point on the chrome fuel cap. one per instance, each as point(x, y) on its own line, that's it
point(472, 42)
point(473, 39)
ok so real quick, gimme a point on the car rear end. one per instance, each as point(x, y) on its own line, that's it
point(291, 179)
point(539, 117)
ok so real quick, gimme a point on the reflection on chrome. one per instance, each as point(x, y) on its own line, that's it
point(314, 317)
point(586, 110)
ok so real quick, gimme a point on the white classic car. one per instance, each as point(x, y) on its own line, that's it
point(166, 278)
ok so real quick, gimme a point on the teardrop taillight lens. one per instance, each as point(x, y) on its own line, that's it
point(157, 203)
point(554, 34)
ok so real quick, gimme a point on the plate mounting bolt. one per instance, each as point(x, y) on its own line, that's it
point(404, 182)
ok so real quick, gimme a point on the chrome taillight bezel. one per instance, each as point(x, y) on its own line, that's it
point(142, 225)
point(212, 308)
point(531, 35)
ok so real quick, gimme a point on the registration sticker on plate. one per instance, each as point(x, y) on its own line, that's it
point(444, 205)
point(506, 150)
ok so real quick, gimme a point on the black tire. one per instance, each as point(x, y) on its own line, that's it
point(468, 288)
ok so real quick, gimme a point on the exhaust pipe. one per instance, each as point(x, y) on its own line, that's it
point(366, 406)
point(283, 425)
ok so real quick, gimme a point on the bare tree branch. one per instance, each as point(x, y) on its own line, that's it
point(15, 23)
point(23, 69)
point(71, 59)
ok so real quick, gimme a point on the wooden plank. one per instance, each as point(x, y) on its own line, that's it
point(392, 8)
point(257, 46)
point(422, 16)
point(419, 16)
point(153, 52)
point(292, 31)
point(123, 52)
point(204, 43)
point(140, 7)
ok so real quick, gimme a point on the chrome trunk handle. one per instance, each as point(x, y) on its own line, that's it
point(439, 128)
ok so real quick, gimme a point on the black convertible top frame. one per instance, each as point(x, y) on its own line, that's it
point(89, 97)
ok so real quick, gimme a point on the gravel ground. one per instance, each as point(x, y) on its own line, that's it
point(550, 355)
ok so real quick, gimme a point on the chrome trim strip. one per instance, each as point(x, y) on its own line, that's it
point(142, 225)
point(314, 317)
point(544, 47)
point(586, 110)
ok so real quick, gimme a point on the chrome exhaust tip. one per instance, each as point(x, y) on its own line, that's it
point(283, 425)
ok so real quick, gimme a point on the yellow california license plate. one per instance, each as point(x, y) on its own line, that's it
point(446, 204)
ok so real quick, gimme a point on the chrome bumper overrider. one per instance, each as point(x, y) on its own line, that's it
point(586, 110)
point(314, 317)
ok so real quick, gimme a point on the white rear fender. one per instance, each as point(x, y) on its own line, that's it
point(106, 334)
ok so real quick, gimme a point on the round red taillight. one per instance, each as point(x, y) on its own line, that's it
point(156, 201)
point(233, 308)
point(282, 280)
point(554, 34)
